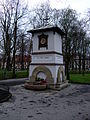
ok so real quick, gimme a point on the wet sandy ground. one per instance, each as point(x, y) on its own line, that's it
point(71, 103)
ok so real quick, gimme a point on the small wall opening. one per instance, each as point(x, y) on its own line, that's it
point(41, 75)
point(61, 77)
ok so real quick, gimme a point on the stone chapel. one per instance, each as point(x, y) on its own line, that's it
point(47, 56)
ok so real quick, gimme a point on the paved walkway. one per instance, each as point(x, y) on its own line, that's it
point(71, 103)
point(12, 82)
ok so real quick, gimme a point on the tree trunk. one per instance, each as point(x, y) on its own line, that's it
point(83, 65)
point(67, 57)
point(8, 65)
point(14, 51)
point(79, 63)
point(72, 64)
point(67, 71)
point(76, 65)
point(4, 60)
point(22, 58)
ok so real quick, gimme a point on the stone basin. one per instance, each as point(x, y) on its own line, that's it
point(32, 86)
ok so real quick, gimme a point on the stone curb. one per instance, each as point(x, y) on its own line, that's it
point(12, 82)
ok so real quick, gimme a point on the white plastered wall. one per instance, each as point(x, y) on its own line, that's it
point(54, 42)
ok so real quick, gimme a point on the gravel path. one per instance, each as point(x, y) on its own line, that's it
point(71, 103)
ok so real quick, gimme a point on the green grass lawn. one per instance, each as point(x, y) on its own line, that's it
point(79, 78)
point(74, 78)
point(21, 74)
point(8, 74)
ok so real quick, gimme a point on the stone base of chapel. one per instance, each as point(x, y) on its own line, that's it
point(51, 82)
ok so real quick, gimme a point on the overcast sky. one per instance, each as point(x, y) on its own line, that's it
point(80, 6)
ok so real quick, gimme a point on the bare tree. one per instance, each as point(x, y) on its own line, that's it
point(6, 31)
point(12, 19)
point(23, 44)
point(68, 22)
point(19, 13)
point(41, 15)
